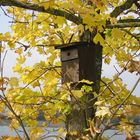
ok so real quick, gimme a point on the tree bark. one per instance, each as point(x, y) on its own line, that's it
point(78, 119)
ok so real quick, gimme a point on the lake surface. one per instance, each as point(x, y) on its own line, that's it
point(4, 130)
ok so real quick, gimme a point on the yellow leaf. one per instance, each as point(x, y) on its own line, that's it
point(21, 59)
point(86, 82)
point(14, 124)
point(7, 35)
point(99, 39)
point(64, 96)
point(77, 93)
point(61, 130)
point(17, 68)
point(97, 130)
point(13, 82)
point(77, 1)
point(87, 20)
point(99, 103)
point(134, 66)
point(113, 20)
point(19, 51)
point(103, 111)
point(107, 60)
point(117, 32)
point(36, 84)
point(47, 4)
point(60, 20)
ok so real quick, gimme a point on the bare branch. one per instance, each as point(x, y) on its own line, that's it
point(137, 4)
point(128, 20)
point(127, 97)
point(124, 25)
point(119, 9)
point(46, 70)
point(133, 35)
point(5, 13)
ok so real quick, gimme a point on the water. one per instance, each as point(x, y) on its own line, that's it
point(51, 132)
point(5, 130)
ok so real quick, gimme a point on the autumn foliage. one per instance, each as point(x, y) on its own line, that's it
point(35, 89)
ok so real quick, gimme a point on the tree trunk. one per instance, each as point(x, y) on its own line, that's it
point(77, 120)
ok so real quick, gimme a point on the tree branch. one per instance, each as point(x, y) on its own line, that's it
point(137, 4)
point(69, 16)
point(133, 35)
point(124, 25)
point(127, 97)
point(119, 9)
point(120, 105)
point(77, 19)
point(128, 20)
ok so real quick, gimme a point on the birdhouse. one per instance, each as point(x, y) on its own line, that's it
point(80, 61)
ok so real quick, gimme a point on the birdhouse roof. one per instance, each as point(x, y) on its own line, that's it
point(70, 45)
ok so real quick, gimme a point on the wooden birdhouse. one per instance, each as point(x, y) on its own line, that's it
point(80, 61)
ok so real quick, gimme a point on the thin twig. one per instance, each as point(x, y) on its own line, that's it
point(46, 70)
point(120, 105)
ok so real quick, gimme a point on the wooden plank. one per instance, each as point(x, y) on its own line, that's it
point(69, 54)
point(70, 71)
point(87, 56)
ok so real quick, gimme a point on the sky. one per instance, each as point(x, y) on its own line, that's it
point(128, 78)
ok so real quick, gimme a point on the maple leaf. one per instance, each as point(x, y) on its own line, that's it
point(103, 111)
point(134, 66)
point(40, 24)
point(13, 81)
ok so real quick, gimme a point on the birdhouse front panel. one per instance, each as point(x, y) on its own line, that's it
point(70, 54)
point(70, 65)
point(70, 71)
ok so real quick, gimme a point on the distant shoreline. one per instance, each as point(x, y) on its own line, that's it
point(5, 121)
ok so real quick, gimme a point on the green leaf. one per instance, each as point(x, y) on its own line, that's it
point(86, 88)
